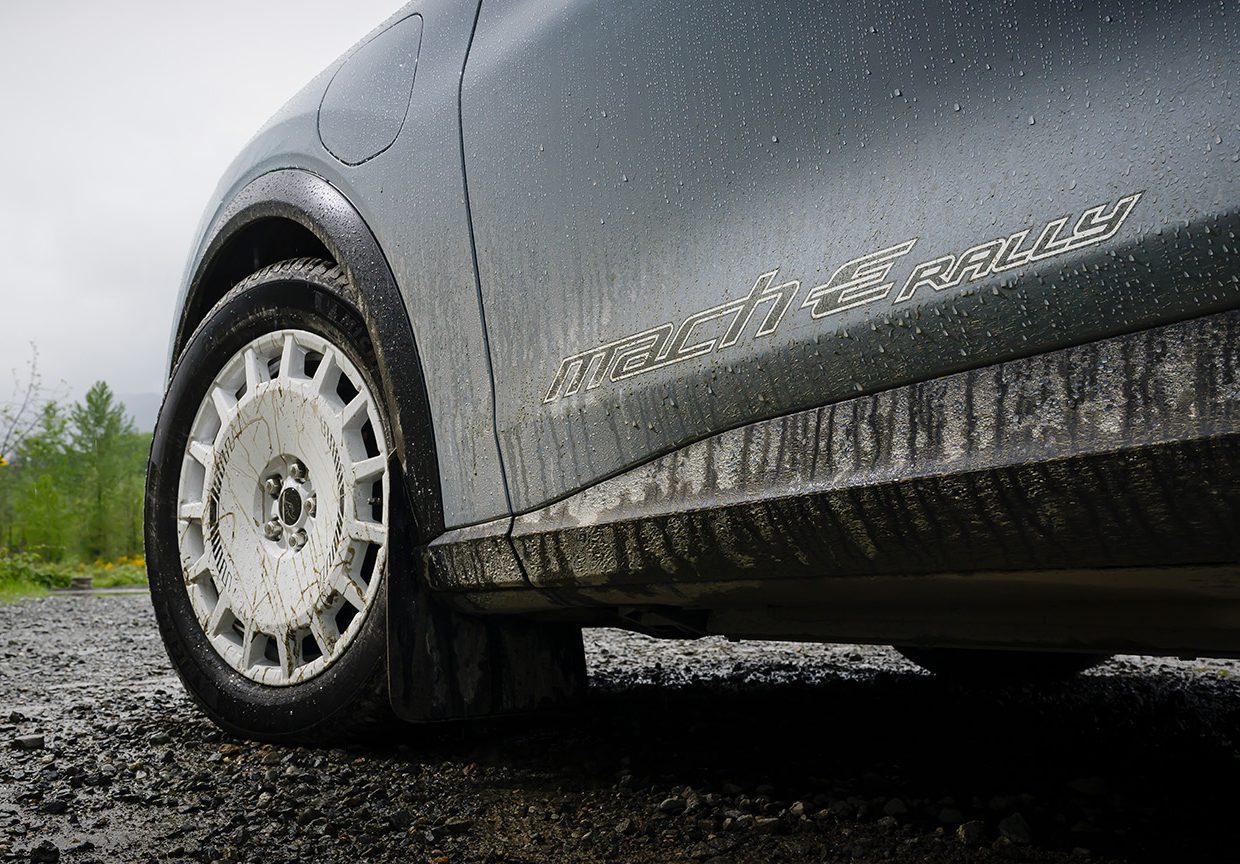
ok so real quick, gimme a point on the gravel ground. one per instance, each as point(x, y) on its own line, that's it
point(691, 751)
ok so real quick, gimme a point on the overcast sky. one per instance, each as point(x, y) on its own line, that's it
point(117, 120)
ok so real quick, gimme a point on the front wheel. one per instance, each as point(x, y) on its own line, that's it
point(978, 665)
point(267, 512)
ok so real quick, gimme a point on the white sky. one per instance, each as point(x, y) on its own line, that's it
point(116, 121)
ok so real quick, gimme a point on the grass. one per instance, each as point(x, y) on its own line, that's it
point(24, 575)
point(12, 590)
point(115, 575)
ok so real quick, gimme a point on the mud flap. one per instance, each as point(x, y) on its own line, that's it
point(444, 665)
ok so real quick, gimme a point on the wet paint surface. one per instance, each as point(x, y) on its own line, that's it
point(1120, 452)
point(630, 166)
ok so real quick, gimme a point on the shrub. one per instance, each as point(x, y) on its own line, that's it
point(29, 569)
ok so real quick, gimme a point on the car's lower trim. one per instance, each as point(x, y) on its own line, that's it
point(1118, 454)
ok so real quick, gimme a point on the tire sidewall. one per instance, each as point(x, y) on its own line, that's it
point(233, 701)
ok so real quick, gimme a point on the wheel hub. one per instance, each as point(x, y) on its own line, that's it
point(290, 507)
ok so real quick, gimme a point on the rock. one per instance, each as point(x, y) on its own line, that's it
point(1015, 829)
point(971, 833)
point(840, 809)
point(950, 816)
point(692, 800)
point(450, 828)
point(45, 853)
point(800, 808)
point(624, 826)
point(766, 824)
point(28, 742)
point(159, 739)
point(1001, 803)
point(457, 827)
point(672, 806)
point(895, 807)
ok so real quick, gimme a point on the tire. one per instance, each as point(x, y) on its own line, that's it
point(284, 554)
point(977, 665)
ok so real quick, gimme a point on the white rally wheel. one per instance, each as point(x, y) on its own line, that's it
point(283, 507)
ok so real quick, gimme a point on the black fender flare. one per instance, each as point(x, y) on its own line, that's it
point(315, 204)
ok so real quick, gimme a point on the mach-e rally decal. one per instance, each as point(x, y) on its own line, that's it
point(858, 282)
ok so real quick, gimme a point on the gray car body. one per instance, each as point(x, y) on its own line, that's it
point(549, 178)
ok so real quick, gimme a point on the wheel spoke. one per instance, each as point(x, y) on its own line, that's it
point(251, 645)
point(216, 621)
point(286, 356)
point(368, 469)
point(191, 511)
point(319, 383)
point(284, 648)
point(348, 588)
point(255, 371)
point(201, 453)
point(356, 407)
point(367, 532)
point(198, 569)
point(324, 632)
point(225, 403)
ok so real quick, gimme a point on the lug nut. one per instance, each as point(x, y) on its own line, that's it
point(297, 540)
point(297, 471)
point(272, 485)
point(312, 504)
point(272, 530)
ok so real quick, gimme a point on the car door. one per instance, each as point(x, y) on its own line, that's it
point(689, 216)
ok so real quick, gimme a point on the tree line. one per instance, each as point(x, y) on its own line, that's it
point(71, 476)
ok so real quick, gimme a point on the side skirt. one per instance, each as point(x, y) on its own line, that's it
point(1103, 463)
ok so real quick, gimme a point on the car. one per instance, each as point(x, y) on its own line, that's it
point(909, 324)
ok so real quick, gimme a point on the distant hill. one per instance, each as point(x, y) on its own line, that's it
point(143, 408)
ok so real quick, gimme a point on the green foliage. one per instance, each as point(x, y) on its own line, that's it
point(71, 489)
point(113, 575)
point(108, 456)
point(26, 567)
point(26, 574)
point(23, 573)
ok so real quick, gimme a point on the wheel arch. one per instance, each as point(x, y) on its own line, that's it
point(293, 213)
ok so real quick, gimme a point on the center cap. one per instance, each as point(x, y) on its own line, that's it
point(290, 506)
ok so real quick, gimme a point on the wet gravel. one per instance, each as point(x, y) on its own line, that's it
point(691, 751)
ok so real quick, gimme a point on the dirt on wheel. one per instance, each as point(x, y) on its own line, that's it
point(689, 751)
